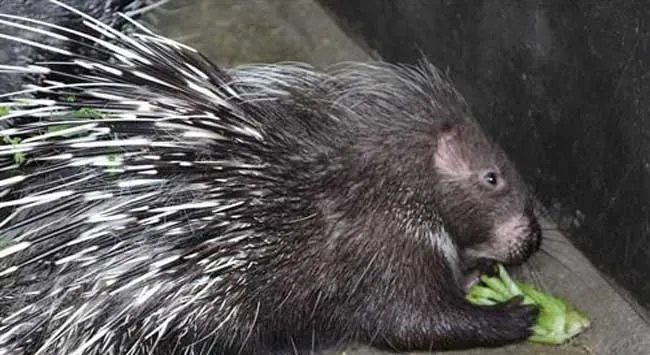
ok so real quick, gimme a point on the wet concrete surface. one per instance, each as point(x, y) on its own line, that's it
point(232, 32)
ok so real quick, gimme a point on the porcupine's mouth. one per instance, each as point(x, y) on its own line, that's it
point(522, 239)
point(472, 275)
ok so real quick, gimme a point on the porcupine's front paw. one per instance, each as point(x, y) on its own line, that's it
point(507, 323)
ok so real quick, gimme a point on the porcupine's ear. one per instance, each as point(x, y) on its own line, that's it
point(451, 155)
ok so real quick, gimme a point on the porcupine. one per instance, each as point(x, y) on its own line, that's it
point(165, 205)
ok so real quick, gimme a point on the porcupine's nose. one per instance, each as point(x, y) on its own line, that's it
point(529, 241)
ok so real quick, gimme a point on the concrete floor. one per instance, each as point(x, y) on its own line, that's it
point(232, 32)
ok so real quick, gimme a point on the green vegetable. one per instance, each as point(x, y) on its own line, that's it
point(55, 128)
point(87, 112)
point(19, 157)
point(558, 320)
point(84, 112)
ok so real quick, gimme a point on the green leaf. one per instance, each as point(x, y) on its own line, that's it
point(512, 287)
point(19, 157)
point(496, 284)
point(87, 112)
point(481, 292)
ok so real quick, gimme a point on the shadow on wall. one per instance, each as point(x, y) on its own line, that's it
point(564, 86)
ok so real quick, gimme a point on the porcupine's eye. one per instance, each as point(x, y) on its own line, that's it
point(492, 180)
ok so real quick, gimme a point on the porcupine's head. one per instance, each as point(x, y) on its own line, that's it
point(486, 204)
point(444, 157)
